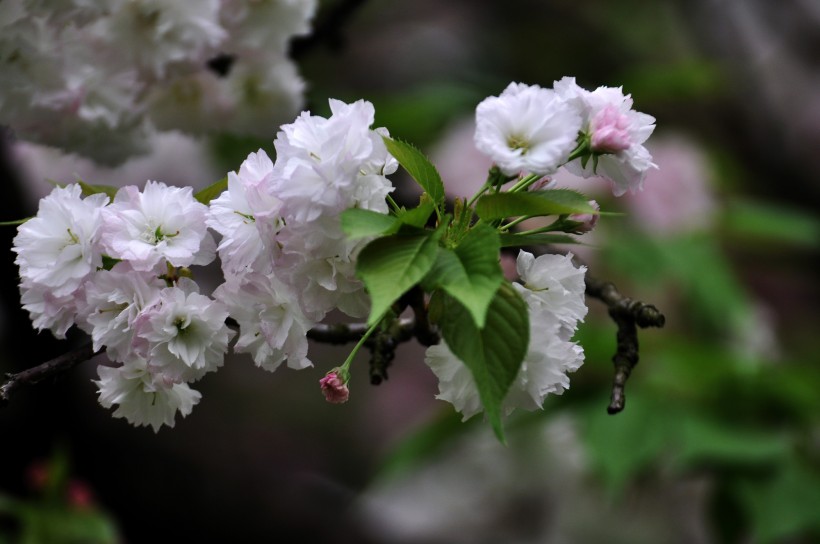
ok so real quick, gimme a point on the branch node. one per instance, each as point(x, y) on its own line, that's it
point(628, 315)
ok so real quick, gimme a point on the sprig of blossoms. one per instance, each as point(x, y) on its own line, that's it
point(531, 130)
point(314, 231)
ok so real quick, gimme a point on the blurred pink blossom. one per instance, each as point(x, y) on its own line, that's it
point(677, 196)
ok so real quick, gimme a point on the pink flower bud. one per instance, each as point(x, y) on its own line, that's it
point(586, 221)
point(334, 388)
point(610, 131)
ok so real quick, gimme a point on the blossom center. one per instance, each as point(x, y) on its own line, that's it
point(156, 236)
point(516, 142)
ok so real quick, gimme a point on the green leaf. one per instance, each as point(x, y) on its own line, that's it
point(470, 273)
point(418, 166)
point(109, 262)
point(516, 240)
point(358, 223)
point(212, 191)
point(535, 203)
point(89, 190)
point(391, 265)
point(419, 215)
point(494, 353)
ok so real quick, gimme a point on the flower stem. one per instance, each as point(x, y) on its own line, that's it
point(393, 204)
point(514, 222)
point(346, 365)
point(478, 194)
point(552, 227)
point(523, 183)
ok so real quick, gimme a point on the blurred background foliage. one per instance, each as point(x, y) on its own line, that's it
point(720, 440)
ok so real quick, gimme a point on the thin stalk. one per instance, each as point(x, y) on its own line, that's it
point(346, 365)
point(514, 222)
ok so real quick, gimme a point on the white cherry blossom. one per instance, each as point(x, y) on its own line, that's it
point(272, 326)
point(159, 223)
point(141, 398)
point(59, 247)
point(113, 302)
point(183, 336)
point(617, 134)
point(526, 129)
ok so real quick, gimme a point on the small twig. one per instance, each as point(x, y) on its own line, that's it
point(628, 315)
point(54, 367)
point(426, 334)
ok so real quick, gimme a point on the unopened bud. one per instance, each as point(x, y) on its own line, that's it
point(334, 386)
point(585, 222)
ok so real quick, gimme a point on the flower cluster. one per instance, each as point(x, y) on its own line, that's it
point(284, 256)
point(534, 130)
point(97, 77)
point(117, 270)
point(120, 271)
point(162, 331)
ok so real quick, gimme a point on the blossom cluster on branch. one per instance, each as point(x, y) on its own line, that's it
point(97, 77)
point(316, 230)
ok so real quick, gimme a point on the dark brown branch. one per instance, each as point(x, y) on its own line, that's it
point(382, 346)
point(628, 315)
point(51, 368)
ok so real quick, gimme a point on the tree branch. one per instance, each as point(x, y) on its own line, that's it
point(54, 367)
point(382, 347)
point(628, 315)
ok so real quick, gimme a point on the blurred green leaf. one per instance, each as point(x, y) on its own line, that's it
point(702, 439)
point(61, 525)
point(784, 506)
point(694, 261)
point(229, 150)
point(621, 446)
point(760, 222)
point(419, 114)
point(674, 81)
point(89, 190)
